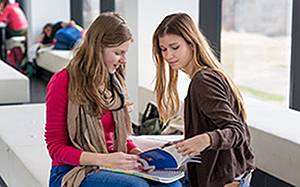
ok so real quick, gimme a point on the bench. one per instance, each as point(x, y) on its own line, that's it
point(16, 41)
point(53, 60)
point(14, 85)
point(24, 159)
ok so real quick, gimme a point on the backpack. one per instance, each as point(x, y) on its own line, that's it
point(67, 37)
point(15, 57)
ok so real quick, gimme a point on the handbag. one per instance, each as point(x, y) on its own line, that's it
point(150, 123)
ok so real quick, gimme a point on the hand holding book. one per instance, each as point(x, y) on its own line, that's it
point(194, 145)
point(164, 165)
point(167, 158)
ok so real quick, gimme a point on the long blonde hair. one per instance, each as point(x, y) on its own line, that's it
point(182, 25)
point(89, 77)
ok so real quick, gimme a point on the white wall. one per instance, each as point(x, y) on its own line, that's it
point(129, 11)
point(143, 16)
point(40, 12)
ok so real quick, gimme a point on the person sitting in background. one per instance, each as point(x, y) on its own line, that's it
point(14, 17)
point(46, 40)
point(47, 37)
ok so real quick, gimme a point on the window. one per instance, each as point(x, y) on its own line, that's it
point(256, 47)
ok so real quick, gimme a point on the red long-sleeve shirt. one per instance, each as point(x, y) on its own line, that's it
point(56, 135)
point(14, 17)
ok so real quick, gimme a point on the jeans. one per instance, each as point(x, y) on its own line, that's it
point(106, 179)
point(245, 180)
point(244, 183)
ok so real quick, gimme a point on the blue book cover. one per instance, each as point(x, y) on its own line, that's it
point(159, 158)
point(166, 158)
point(159, 164)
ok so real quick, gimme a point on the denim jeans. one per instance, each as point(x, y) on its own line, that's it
point(244, 183)
point(245, 180)
point(105, 179)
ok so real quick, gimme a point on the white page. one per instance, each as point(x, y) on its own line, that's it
point(180, 159)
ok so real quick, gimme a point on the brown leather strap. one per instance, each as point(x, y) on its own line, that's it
point(233, 184)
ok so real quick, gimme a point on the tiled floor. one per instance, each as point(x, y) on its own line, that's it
point(37, 90)
point(38, 85)
point(263, 179)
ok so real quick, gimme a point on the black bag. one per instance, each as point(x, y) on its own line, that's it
point(150, 123)
point(150, 112)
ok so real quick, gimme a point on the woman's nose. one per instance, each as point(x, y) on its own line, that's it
point(123, 60)
point(169, 55)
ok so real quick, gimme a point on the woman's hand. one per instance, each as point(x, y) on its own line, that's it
point(193, 146)
point(113, 160)
point(119, 160)
point(135, 151)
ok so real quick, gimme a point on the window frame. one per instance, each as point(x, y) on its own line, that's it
point(77, 11)
point(294, 99)
point(210, 16)
point(107, 5)
point(210, 20)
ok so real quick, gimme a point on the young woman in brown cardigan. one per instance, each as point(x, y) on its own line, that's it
point(214, 115)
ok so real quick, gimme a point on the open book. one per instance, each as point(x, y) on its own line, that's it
point(162, 165)
point(167, 158)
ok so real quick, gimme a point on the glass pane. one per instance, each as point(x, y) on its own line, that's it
point(91, 9)
point(256, 46)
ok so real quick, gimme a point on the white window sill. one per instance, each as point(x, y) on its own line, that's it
point(273, 119)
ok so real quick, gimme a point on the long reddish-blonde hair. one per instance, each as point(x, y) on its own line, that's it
point(182, 25)
point(88, 73)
